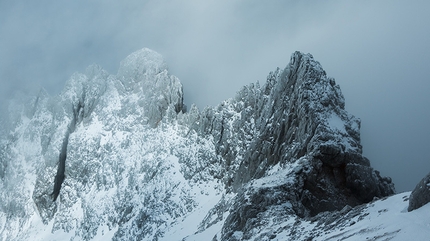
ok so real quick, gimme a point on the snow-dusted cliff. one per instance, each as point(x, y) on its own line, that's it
point(277, 161)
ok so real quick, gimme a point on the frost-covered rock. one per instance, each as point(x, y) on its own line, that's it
point(420, 196)
point(138, 167)
point(143, 75)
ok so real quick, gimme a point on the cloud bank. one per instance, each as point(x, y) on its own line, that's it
point(377, 51)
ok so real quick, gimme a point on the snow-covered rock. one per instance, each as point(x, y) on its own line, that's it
point(277, 161)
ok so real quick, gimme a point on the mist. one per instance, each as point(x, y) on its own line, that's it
point(376, 50)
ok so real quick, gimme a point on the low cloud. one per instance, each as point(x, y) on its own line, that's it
point(377, 51)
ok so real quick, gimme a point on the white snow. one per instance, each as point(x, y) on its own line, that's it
point(387, 219)
point(190, 223)
point(336, 123)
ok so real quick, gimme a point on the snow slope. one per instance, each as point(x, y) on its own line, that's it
point(384, 219)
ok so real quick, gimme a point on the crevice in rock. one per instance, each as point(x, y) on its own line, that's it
point(60, 176)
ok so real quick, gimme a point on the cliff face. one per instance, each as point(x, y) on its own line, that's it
point(138, 166)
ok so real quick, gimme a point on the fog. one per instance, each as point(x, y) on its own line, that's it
point(378, 52)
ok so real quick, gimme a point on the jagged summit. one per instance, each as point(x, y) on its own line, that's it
point(294, 128)
point(137, 166)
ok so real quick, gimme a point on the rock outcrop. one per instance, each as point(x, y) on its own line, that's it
point(420, 196)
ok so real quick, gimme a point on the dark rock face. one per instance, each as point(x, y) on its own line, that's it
point(59, 177)
point(251, 205)
point(420, 196)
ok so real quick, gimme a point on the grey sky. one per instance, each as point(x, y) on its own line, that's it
point(378, 51)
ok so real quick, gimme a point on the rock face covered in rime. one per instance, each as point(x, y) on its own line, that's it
point(141, 167)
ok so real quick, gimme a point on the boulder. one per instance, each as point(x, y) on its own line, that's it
point(420, 196)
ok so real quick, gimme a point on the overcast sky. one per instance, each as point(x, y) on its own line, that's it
point(378, 52)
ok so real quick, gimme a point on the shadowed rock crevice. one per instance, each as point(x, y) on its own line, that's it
point(60, 176)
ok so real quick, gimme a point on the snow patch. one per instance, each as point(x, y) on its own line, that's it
point(336, 123)
point(189, 224)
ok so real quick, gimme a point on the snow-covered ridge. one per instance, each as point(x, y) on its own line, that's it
point(141, 167)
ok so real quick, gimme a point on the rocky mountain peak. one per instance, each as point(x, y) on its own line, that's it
point(127, 161)
point(293, 128)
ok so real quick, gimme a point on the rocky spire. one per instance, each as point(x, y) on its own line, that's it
point(296, 119)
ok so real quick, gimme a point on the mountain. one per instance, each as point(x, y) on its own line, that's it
point(120, 157)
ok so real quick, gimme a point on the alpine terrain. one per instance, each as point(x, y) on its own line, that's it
point(120, 157)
